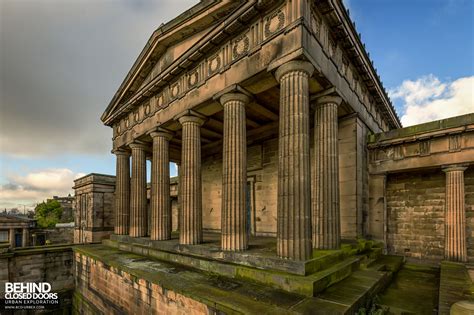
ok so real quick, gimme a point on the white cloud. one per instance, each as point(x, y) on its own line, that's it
point(428, 99)
point(36, 186)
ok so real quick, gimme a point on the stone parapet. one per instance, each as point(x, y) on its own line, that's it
point(430, 145)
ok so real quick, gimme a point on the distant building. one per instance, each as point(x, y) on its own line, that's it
point(15, 229)
point(68, 204)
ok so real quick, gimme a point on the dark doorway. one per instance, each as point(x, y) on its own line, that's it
point(18, 240)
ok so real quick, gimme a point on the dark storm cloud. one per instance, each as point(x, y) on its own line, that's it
point(60, 64)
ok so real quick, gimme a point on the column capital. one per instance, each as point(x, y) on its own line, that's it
point(294, 65)
point(190, 116)
point(160, 132)
point(225, 98)
point(329, 99)
point(121, 152)
point(452, 168)
point(233, 93)
point(138, 145)
point(191, 119)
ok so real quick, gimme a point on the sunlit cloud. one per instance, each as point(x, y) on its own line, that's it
point(36, 186)
point(428, 98)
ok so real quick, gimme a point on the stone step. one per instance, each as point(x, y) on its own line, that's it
point(347, 296)
point(222, 295)
point(304, 285)
point(262, 258)
point(390, 263)
point(343, 293)
point(357, 290)
point(333, 268)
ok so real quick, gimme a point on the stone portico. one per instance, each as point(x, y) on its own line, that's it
point(288, 153)
point(223, 98)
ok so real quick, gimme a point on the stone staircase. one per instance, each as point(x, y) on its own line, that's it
point(336, 282)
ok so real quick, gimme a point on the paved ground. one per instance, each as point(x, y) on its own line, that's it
point(414, 290)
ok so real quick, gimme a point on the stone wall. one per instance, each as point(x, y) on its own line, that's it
point(60, 235)
point(101, 288)
point(52, 264)
point(416, 213)
point(262, 176)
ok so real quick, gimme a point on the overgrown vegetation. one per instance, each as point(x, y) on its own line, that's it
point(373, 308)
point(48, 213)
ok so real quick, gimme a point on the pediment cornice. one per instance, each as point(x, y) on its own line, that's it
point(344, 31)
point(195, 19)
point(218, 33)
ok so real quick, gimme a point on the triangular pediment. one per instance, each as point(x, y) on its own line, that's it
point(167, 44)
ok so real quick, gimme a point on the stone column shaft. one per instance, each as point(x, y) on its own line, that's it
point(326, 217)
point(11, 235)
point(294, 178)
point(122, 193)
point(455, 221)
point(190, 230)
point(234, 171)
point(24, 239)
point(138, 204)
point(160, 187)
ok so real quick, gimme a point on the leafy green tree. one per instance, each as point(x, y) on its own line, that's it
point(48, 213)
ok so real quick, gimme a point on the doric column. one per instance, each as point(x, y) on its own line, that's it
point(190, 231)
point(234, 173)
point(178, 171)
point(138, 204)
point(294, 178)
point(455, 221)
point(160, 187)
point(122, 192)
point(326, 218)
point(11, 235)
point(24, 239)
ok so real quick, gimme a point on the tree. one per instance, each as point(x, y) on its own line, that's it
point(48, 213)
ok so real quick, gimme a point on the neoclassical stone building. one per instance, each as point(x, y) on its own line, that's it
point(288, 148)
point(270, 107)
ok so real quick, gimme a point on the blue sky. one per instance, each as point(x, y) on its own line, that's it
point(62, 61)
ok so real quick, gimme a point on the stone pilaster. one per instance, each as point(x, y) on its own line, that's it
point(160, 187)
point(190, 230)
point(294, 178)
point(122, 192)
point(326, 217)
point(25, 237)
point(11, 236)
point(455, 221)
point(234, 173)
point(138, 204)
point(178, 171)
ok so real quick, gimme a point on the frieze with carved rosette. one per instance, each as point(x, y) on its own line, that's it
point(274, 22)
point(262, 30)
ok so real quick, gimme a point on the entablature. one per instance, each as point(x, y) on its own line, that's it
point(209, 55)
point(331, 25)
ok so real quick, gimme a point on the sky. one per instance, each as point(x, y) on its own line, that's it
point(61, 62)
